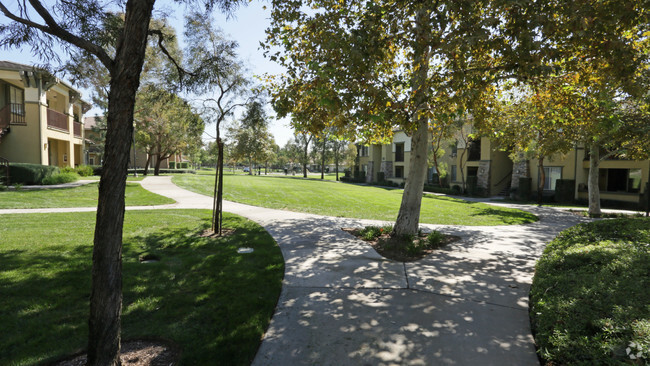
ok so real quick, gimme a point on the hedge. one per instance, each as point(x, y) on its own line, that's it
point(23, 173)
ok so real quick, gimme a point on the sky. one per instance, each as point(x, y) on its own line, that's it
point(246, 26)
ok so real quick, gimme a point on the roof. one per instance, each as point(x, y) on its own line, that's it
point(14, 66)
point(90, 122)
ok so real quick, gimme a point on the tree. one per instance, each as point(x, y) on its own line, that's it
point(165, 125)
point(221, 74)
point(251, 137)
point(302, 140)
point(388, 65)
point(121, 50)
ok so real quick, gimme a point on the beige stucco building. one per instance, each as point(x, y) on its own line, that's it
point(496, 174)
point(40, 117)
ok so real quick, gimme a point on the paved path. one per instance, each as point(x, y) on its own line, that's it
point(343, 304)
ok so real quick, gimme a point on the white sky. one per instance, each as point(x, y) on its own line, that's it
point(246, 26)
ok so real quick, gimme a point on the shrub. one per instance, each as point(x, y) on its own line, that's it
point(455, 189)
point(67, 169)
point(373, 232)
point(84, 170)
point(564, 189)
point(589, 298)
point(22, 173)
point(434, 239)
point(523, 192)
point(61, 178)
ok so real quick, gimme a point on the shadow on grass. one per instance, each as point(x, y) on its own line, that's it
point(510, 217)
point(211, 301)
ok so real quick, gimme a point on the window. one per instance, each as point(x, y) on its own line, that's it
point(363, 150)
point(17, 100)
point(453, 173)
point(551, 175)
point(474, 150)
point(399, 151)
point(454, 149)
point(399, 172)
point(620, 180)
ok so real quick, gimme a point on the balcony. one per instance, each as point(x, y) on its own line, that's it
point(57, 120)
point(12, 114)
point(77, 129)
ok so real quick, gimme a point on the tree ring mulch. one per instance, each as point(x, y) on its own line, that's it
point(138, 352)
point(208, 233)
point(395, 248)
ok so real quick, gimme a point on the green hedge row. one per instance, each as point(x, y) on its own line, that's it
point(23, 173)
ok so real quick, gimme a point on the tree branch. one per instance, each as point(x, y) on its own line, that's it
point(181, 71)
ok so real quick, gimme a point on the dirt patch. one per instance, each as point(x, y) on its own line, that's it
point(401, 249)
point(136, 353)
point(208, 233)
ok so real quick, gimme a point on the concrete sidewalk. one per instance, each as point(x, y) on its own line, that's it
point(343, 304)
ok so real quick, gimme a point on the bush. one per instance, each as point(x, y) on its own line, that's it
point(524, 190)
point(564, 190)
point(589, 298)
point(61, 178)
point(67, 169)
point(434, 239)
point(373, 232)
point(455, 189)
point(84, 170)
point(22, 173)
point(438, 189)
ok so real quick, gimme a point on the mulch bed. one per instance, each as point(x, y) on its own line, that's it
point(136, 353)
point(394, 248)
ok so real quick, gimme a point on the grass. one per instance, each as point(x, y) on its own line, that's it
point(84, 196)
point(349, 200)
point(590, 298)
point(129, 178)
point(212, 302)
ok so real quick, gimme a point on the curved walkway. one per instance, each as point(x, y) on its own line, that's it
point(343, 304)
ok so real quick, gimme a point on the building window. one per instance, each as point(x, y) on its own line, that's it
point(620, 180)
point(474, 147)
point(399, 151)
point(454, 149)
point(17, 100)
point(453, 173)
point(551, 175)
point(363, 150)
point(399, 171)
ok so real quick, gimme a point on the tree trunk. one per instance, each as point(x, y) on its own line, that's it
point(104, 322)
point(250, 166)
point(156, 169)
point(408, 218)
point(336, 161)
point(542, 181)
point(146, 167)
point(461, 166)
point(322, 160)
point(592, 180)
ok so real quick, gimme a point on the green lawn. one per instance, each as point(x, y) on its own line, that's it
point(84, 196)
point(212, 302)
point(348, 200)
point(590, 299)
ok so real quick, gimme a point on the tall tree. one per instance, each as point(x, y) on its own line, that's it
point(121, 50)
point(222, 81)
point(390, 65)
point(303, 139)
point(251, 136)
point(166, 125)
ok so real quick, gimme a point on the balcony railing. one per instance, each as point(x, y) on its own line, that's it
point(77, 128)
point(12, 114)
point(57, 120)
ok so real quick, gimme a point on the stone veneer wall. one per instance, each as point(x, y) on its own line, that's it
point(483, 175)
point(520, 169)
point(387, 168)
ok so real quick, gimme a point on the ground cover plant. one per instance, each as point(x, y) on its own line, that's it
point(202, 295)
point(349, 200)
point(590, 303)
point(403, 249)
point(83, 196)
